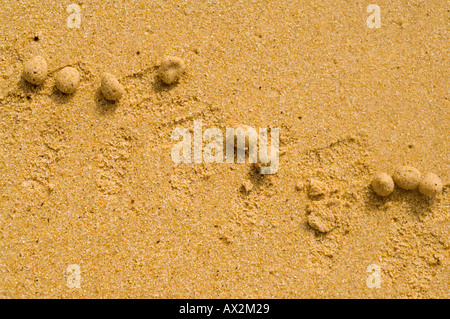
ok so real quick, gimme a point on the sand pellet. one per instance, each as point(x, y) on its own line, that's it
point(111, 88)
point(430, 185)
point(171, 69)
point(382, 184)
point(67, 80)
point(35, 70)
point(407, 177)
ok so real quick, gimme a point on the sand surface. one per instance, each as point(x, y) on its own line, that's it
point(87, 182)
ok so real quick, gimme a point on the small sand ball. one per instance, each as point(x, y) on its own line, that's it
point(171, 69)
point(35, 70)
point(407, 177)
point(382, 184)
point(111, 88)
point(67, 80)
point(321, 217)
point(241, 133)
point(430, 185)
point(299, 186)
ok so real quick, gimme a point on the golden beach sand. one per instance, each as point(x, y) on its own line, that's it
point(88, 182)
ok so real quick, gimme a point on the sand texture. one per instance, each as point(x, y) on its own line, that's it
point(90, 182)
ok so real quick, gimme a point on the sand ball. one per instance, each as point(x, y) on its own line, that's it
point(241, 133)
point(171, 69)
point(382, 184)
point(35, 70)
point(407, 177)
point(67, 80)
point(111, 88)
point(430, 185)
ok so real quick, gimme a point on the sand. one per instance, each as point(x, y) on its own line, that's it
point(92, 205)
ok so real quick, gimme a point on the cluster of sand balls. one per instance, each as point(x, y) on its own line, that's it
point(67, 80)
point(408, 178)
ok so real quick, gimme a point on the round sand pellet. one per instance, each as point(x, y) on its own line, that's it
point(111, 88)
point(382, 184)
point(67, 80)
point(35, 70)
point(430, 185)
point(171, 69)
point(407, 177)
